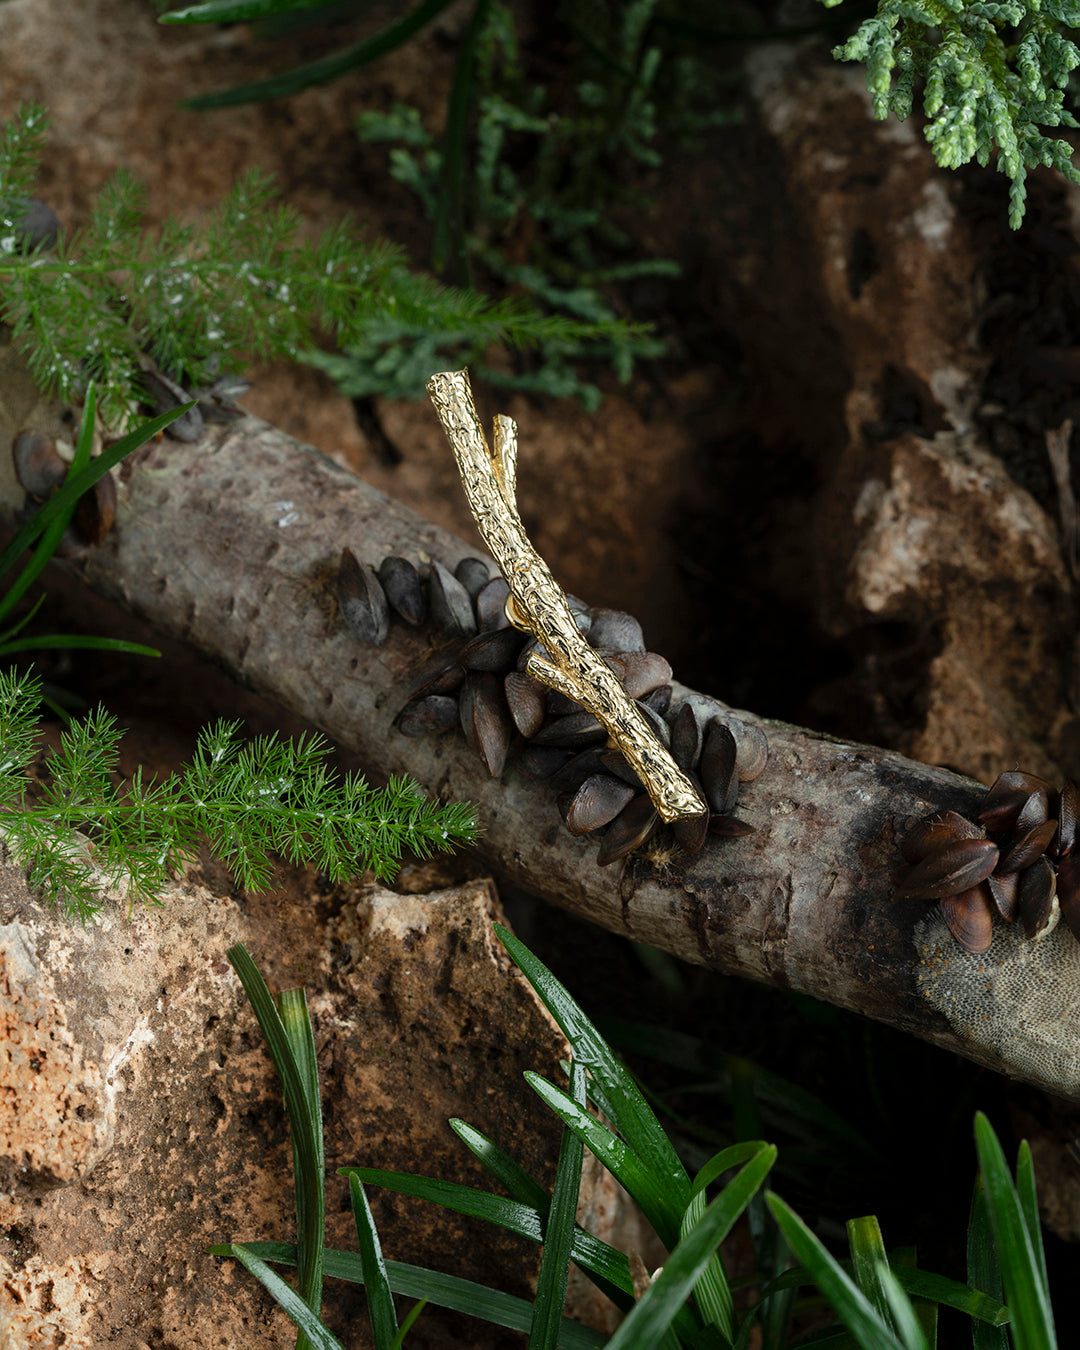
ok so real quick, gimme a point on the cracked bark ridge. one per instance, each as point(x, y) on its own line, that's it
point(223, 544)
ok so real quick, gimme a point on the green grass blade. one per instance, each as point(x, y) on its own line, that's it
point(1029, 1204)
point(919, 1284)
point(317, 72)
point(1025, 1292)
point(74, 486)
point(309, 1161)
point(724, 1161)
point(904, 1316)
point(445, 1291)
point(868, 1259)
point(289, 1301)
point(54, 531)
point(845, 1297)
point(406, 1326)
point(712, 1293)
point(236, 11)
point(620, 1160)
point(510, 1174)
point(783, 1105)
point(559, 1231)
point(604, 1265)
point(630, 1113)
point(77, 642)
point(384, 1327)
point(449, 250)
point(511, 1214)
point(287, 1049)
point(984, 1269)
point(656, 1309)
point(609, 1266)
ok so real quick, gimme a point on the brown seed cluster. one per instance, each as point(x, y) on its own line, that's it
point(41, 470)
point(478, 681)
point(1018, 861)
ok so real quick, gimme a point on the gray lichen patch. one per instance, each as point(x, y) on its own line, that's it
point(1020, 1000)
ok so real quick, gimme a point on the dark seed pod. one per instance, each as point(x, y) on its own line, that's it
point(496, 651)
point(753, 750)
point(575, 731)
point(1006, 798)
point(1068, 812)
point(717, 767)
point(485, 719)
point(685, 736)
point(690, 831)
point(1068, 888)
point(1033, 812)
point(969, 919)
point(560, 705)
point(361, 600)
point(95, 510)
point(573, 773)
point(921, 840)
point(596, 803)
point(541, 761)
point(473, 574)
point(1005, 893)
point(1038, 889)
point(634, 826)
point(430, 716)
point(531, 645)
point(490, 604)
point(451, 608)
point(441, 675)
point(730, 827)
point(39, 466)
point(615, 631)
point(1024, 849)
point(659, 700)
point(36, 226)
point(953, 867)
point(527, 699)
point(656, 721)
point(614, 761)
point(639, 672)
point(164, 394)
point(401, 583)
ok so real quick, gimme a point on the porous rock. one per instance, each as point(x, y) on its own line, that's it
point(141, 1120)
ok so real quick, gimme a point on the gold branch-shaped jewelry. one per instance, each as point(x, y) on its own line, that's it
point(564, 660)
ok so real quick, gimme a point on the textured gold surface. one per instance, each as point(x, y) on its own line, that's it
point(536, 602)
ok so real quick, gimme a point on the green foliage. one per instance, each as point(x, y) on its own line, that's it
point(47, 526)
point(882, 1301)
point(993, 77)
point(80, 832)
point(197, 299)
point(529, 196)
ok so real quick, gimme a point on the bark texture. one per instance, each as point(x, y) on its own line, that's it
point(226, 544)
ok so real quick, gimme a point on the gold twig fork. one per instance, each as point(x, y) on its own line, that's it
point(563, 660)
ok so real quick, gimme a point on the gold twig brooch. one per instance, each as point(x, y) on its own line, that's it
point(536, 604)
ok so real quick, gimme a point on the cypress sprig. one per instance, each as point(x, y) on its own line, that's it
point(994, 77)
point(81, 832)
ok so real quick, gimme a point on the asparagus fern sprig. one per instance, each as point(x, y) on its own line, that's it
point(242, 284)
point(81, 831)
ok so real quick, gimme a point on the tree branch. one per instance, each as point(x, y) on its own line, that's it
point(221, 544)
